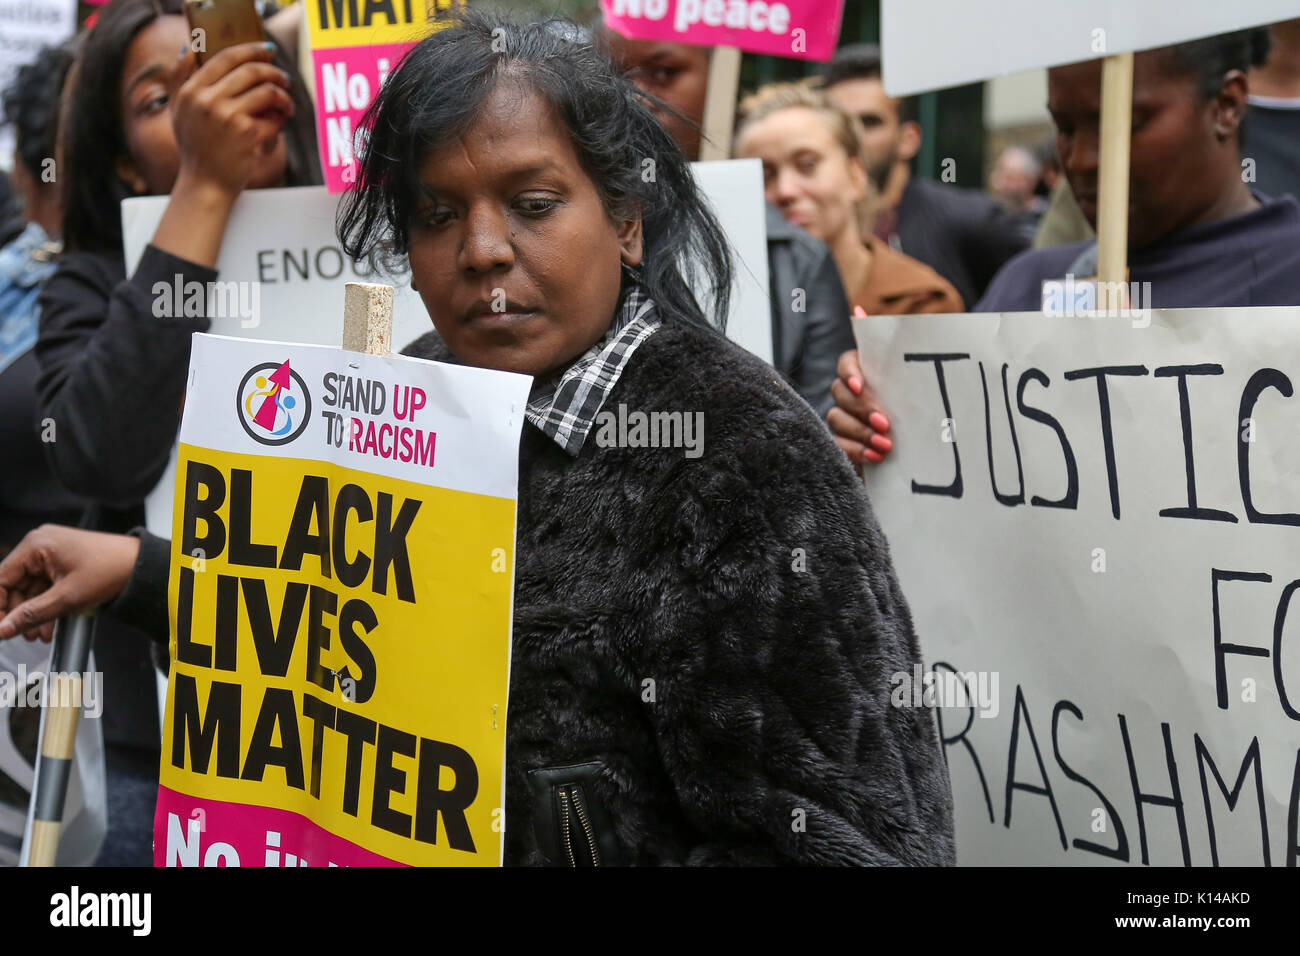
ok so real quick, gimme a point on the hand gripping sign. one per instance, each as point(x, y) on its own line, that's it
point(341, 579)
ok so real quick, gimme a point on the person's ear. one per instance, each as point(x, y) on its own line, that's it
point(909, 140)
point(631, 246)
point(129, 173)
point(1229, 107)
point(858, 177)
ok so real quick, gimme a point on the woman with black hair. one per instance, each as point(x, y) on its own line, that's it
point(143, 119)
point(704, 636)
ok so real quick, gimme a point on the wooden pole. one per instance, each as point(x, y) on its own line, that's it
point(720, 103)
point(60, 717)
point(1112, 176)
point(368, 318)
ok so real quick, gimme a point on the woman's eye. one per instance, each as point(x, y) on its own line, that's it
point(536, 205)
point(435, 216)
point(662, 76)
point(156, 103)
point(806, 166)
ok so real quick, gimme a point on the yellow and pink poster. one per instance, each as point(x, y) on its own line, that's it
point(341, 589)
point(355, 44)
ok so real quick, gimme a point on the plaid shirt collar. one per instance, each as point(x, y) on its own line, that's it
point(565, 407)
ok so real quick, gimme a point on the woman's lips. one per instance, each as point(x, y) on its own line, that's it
point(499, 318)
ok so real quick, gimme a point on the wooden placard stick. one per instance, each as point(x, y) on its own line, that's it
point(61, 714)
point(1112, 176)
point(368, 318)
point(720, 103)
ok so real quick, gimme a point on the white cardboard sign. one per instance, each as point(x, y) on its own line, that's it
point(1098, 524)
point(931, 44)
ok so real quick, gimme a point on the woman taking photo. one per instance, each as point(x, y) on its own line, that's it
point(142, 118)
point(751, 584)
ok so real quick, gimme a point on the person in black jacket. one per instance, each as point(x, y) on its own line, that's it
point(142, 118)
point(749, 583)
point(963, 234)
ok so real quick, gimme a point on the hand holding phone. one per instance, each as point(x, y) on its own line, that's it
point(216, 25)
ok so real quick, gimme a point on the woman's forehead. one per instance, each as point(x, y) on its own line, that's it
point(788, 130)
point(515, 134)
point(155, 48)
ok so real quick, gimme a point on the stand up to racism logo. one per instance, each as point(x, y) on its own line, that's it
point(274, 409)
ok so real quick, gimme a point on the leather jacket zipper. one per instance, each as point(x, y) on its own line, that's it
point(570, 795)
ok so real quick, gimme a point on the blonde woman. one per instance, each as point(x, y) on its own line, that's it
point(814, 173)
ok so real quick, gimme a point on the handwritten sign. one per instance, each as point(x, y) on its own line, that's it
point(1096, 524)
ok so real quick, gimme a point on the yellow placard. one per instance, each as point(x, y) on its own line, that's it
point(353, 23)
point(340, 650)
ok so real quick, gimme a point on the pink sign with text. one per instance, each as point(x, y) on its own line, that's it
point(347, 79)
point(803, 29)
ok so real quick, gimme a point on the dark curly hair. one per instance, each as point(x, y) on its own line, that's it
point(95, 137)
point(31, 105)
point(437, 92)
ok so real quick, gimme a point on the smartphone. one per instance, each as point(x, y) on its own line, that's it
point(224, 23)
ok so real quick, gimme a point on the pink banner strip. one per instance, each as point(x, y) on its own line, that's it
point(347, 79)
point(190, 831)
point(802, 29)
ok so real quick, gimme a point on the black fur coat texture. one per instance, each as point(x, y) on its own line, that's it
point(703, 646)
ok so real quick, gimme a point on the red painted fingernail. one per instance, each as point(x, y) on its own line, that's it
point(878, 421)
point(859, 312)
point(871, 454)
point(881, 443)
point(855, 385)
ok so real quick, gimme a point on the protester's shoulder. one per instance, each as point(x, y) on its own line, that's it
point(96, 269)
point(76, 294)
point(1017, 286)
point(695, 363)
point(955, 202)
point(747, 405)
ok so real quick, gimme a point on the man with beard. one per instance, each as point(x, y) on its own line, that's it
point(962, 234)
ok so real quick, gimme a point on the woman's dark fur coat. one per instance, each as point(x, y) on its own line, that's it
point(754, 588)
